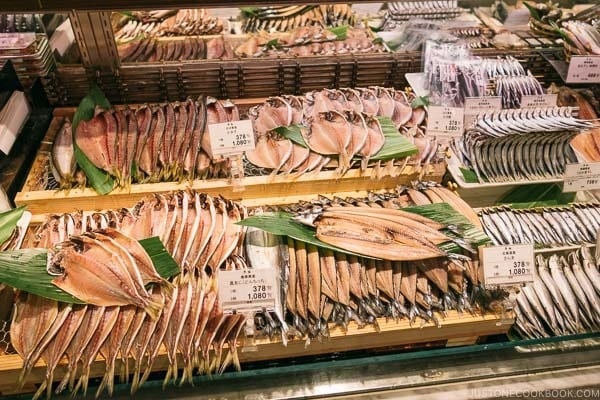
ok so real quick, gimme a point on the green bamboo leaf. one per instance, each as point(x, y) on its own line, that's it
point(283, 224)
point(533, 11)
point(445, 214)
point(420, 101)
point(99, 179)
point(340, 31)
point(292, 133)
point(8, 222)
point(396, 146)
point(469, 176)
point(273, 44)
point(248, 12)
point(537, 195)
point(26, 270)
point(163, 262)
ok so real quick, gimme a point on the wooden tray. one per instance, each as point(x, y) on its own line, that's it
point(456, 330)
point(257, 190)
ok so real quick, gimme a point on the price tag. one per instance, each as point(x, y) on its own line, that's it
point(584, 69)
point(539, 101)
point(230, 138)
point(445, 121)
point(17, 40)
point(584, 176)
point(248, 290)
point(507, 265)
point(479, 105)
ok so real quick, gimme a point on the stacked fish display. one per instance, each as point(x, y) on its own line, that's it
point(338, 126)
point(124, 320)
point(150, 49)
point(581, 38)
point(511, 82)
point(307, 41)
point(391, 264)
point(544, 227)
point(285, 18)
point(512, 145)
point(157, 23)
point(398, 12)
point(563, 299)
point(155, 142)
point(585, 144)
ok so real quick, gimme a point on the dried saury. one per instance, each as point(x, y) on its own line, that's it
point(564, 298)
point(544, 227)
point(287, 18)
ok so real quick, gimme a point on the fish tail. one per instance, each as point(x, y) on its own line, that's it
point(145, 376)
point(153, 309)
point(226, 362)
point(101, 386)
point(40, 390)
point(63, 382)
point(167, 377)
point(364, 163)
point(135, 381)
point(49, 384)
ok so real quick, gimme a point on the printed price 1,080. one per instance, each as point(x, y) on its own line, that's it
point(259, 292)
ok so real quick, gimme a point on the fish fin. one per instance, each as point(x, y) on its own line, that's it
point(153, 308)
point(40, 390)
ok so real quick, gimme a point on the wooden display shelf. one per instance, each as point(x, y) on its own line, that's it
point(456, 330)
point(257, 190)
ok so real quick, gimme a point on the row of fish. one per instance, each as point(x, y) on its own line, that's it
point(154, 142)
point(338, 123)
point(546, 227)
point(511, 89)
point(583, 37)
point(526, 121)
point(286, 18)
point(514, 157)
point(307, 41)
point(563, 299)
point(185, 22)
point(189, 325)
point(199, 231)
point(150, 49)
point(399, 12)
point(324, 287)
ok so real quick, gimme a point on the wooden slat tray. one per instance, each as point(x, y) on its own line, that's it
point(457, 329)
point(257, 190)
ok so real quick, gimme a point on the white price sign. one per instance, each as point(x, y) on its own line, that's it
point(247, 290)
point(231, 137)
point(479, 105)
point(584, 69)
point(17, 40)
point(584, 176)
point(445, 121)
point(538, 101)
point(507, 265)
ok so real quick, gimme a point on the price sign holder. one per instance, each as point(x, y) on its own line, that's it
point(248, 290)
point(584, 69)
point(507, 265)
point(538, 101)
point(582, 176)
point(230, 140)
point(445, 121)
